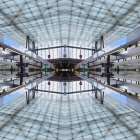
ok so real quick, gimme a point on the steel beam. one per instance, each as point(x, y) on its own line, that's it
point(94, 58)
point(28, 86)
point(48, 91)
point(23, 51)
point(113, 90)
point(73, 47)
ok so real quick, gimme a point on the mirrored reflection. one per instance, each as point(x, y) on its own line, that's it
point(122, 85)
point(65, 104)
point(65, 87)
point(13, 85)
point(68, 110)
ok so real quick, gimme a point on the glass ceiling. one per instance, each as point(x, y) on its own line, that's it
point(74, 23)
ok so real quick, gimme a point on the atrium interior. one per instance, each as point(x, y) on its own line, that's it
point(69, 70)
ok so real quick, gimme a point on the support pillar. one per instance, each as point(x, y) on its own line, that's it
point(28, 43)
point(96, 93)
point(21, 70)
point(27, 97)
point(108, 69)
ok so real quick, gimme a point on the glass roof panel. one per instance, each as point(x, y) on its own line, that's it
point(71, 22)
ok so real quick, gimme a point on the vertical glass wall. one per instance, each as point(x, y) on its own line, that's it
point(67, 87)
point(59, 53)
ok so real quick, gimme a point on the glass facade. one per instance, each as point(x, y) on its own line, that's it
point(34, 108)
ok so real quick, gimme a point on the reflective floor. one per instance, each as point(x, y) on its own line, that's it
point(78, 116)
